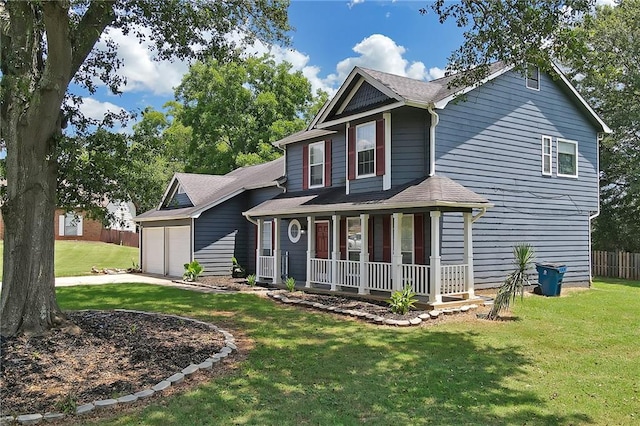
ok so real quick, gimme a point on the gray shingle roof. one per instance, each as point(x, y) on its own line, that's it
point(206, 191)
point(435, 191)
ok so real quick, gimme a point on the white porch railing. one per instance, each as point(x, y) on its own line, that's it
point(320, 271)
point(453, 279)
point(417, 276)
point(265, 267)
point(348, 273)
point(379, 276)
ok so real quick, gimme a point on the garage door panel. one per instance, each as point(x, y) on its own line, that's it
point(179, 249)
point(153, 250)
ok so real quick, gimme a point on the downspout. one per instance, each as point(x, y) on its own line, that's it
point(435, 119)
point(597, 213)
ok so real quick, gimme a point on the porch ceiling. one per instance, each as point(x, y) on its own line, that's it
point(435, 191)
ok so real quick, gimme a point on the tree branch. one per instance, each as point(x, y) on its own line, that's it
point(97, 17)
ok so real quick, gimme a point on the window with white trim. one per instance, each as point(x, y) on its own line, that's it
point(295, 230)
point(267, 238)
point(533, 77)
point(407, 245)
point(546, 155)
point(567, 161)
point(366, 149)
point(316, 164)
point(70, 225)
point(354, 238)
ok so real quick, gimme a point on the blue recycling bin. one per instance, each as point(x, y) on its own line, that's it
point(550, 278)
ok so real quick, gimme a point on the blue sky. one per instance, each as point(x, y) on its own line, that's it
point(330, 38)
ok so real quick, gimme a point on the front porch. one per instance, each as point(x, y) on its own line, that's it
point(434, 282)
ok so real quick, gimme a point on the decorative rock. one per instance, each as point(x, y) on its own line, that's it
point(104, 403)
point(85, 408)
point(339, 310)
point(370, 316)
point(206, 365)
point(379, 319)
point(127, 399)
point(144, 393)
point(29, 419)
point(176, 378)
point(473, 306)
point(226, 335)
point(50, 417)
point(5, 420)
point(415, 321)
point(360, 314)
point(331, 308)
point(231, 346)
point(213, 359)
point(187, 371)
point(285, 300)
point(434, 314)
point(404, 323)
point(390, 321)
point(424, 316)
point(161, 386)
point(275, 296)
point(464, 308)
point(226, 350)
point(222, 354)
point(318, 305)
point(447, 311)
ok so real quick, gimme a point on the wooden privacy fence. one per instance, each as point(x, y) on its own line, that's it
point(124, 238)
point(616, 264)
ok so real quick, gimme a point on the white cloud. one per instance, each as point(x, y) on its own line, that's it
point(95, 109)
point(139, 68)
point(435, 72)
point(354, 2)
point(381, 53)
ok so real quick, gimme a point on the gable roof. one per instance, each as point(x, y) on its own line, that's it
point(434, 191)
point(437, 94)
point(207, 191)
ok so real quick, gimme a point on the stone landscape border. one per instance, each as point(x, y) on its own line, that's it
point(207, 364)
point(376, 319)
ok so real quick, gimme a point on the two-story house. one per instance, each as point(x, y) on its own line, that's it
point(399, 181)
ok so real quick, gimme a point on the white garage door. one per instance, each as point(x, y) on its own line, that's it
point(153, 250)
point(178, 248)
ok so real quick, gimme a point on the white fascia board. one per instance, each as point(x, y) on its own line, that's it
point(442, 103)
point(605, 128)
point(361, 115)
point(350, 95)
point(166, 192)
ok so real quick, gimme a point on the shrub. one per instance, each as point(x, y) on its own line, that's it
point(252, 280)
point(402, 300)
point(515, 282)
point(237, 271)
point(192, 271)
point(291, 284)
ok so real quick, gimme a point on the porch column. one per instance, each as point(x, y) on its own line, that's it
point(335, 254)
point(396, 264)
point(311, 247)
point(468, 252)
point(258, 248)
point(364, 254)
point(277, 274)
point(434, 260)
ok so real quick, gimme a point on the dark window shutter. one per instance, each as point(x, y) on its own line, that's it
point(273, 237)
point(343, 238)
point(371, 245)
point(255, 233)
point(386, 238)
point(380, 147)
point(418, 238)
point(327, 163)
point(351, 156)
point(305, 167)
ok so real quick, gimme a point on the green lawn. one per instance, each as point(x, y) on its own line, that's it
point(75, 258)
point(564, 361)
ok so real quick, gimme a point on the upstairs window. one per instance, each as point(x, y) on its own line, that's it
point(567, 158)
point(366, 149)
point(533, 77)
point(546, 155)
point(316, 164)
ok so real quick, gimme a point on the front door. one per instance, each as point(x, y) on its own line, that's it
point(322, 240)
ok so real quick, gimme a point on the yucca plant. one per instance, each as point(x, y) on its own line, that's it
point(515, 282)
point(290, 283)
point(192, 271)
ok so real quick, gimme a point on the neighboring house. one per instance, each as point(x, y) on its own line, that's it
point(76, 226)
point(200, 218)
point(400, 181)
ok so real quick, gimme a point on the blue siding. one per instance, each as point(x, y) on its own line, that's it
point(255, 197)
point(338, 162)
point(368, 184)
point(297, 251)
point(491, 143)
point(409, 145)
point(220, 234)
point(294, 166)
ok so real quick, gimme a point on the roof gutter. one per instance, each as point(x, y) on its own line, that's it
point(435, 119)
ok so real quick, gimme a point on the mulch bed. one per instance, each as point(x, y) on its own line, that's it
point(109, 354)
